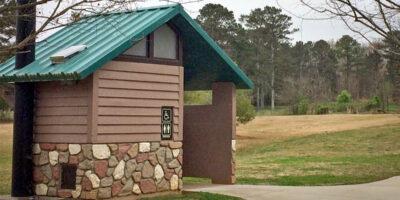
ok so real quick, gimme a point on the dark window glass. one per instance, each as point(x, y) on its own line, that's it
point(68, 176)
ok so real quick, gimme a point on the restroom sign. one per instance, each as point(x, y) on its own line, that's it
point(167, 122)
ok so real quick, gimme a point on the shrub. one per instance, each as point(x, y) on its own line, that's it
point(344, 97)
point(3, 105)
point(6, 115)
point(374, 103)
point(245, 111)
point(322, 110)
point(300, 107)
point(343, 101)
point(198, 97)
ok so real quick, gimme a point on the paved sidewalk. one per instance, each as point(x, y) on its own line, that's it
point(388, 189)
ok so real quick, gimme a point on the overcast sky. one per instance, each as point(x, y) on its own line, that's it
point(309, 30)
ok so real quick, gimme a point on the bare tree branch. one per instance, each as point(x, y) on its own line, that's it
point(60, 15)
point(379, 16)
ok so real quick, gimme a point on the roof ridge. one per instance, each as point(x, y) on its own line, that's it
point(177, 5)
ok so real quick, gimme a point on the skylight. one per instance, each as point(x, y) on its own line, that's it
point(67, 53)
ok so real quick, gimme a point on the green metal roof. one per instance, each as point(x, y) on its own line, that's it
point(107, 36)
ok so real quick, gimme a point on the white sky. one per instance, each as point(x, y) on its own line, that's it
point(309, 30)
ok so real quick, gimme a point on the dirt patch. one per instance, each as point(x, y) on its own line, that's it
point(265, 129)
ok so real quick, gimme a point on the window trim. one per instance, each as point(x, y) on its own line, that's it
point(149, 58)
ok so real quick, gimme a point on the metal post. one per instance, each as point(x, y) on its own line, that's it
point(22, 184)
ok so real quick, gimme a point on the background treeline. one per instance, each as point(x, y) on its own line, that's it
point(305, 77)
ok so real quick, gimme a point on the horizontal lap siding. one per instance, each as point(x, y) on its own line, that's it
point(61, 111)
point(130, 97)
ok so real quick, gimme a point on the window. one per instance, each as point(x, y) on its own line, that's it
point(162, 46)
point(139, 49)
point(165, 43)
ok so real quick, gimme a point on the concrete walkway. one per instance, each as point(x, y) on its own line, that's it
point(388, 189)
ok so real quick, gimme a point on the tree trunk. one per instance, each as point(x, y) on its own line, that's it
point(258, 98)
point(347, 74)
point(262, 98)
point(273, 91)
point(258, 80)
point(272, 78)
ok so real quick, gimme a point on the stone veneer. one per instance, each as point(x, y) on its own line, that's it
point(108, 170)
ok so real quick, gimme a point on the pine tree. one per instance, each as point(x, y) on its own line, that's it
point(7, 28)
point(268, 29)
point(220, 24)
point(348, 51)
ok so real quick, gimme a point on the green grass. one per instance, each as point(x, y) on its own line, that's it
point(310, 180)
point(196, 180)
point(5, 157)
point(194, 196)
point(5, 169)
point(393, 108)
point(346, 157)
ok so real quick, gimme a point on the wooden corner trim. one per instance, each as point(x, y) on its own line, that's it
point(93, 108)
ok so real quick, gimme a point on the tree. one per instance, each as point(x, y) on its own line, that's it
point(220, 24)
point(324, 71)
point(362, 17)
point(393, 65)
point(348, 50)
point(268, 28)
point(7, 29)
point(374, 79)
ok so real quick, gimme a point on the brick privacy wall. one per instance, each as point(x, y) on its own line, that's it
point(108, 170)
point(209, 136)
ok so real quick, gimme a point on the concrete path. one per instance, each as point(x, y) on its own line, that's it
point(388, 189)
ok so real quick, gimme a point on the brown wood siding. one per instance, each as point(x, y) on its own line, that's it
point(61, 111)
point(129, 100)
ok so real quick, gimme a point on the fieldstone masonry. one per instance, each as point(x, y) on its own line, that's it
point(108, 170)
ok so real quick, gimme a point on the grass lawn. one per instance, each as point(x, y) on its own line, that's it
point(295, 150)
point(344, 157)
point(5, 157)
point(279, 110)
point(194, 196)
point(267, 129)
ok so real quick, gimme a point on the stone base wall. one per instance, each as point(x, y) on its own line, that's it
point(108, 170)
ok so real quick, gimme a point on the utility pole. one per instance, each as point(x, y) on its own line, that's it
point(22, 184)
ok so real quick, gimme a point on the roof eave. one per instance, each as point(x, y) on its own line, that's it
point(40, 77)
point(247, 81)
